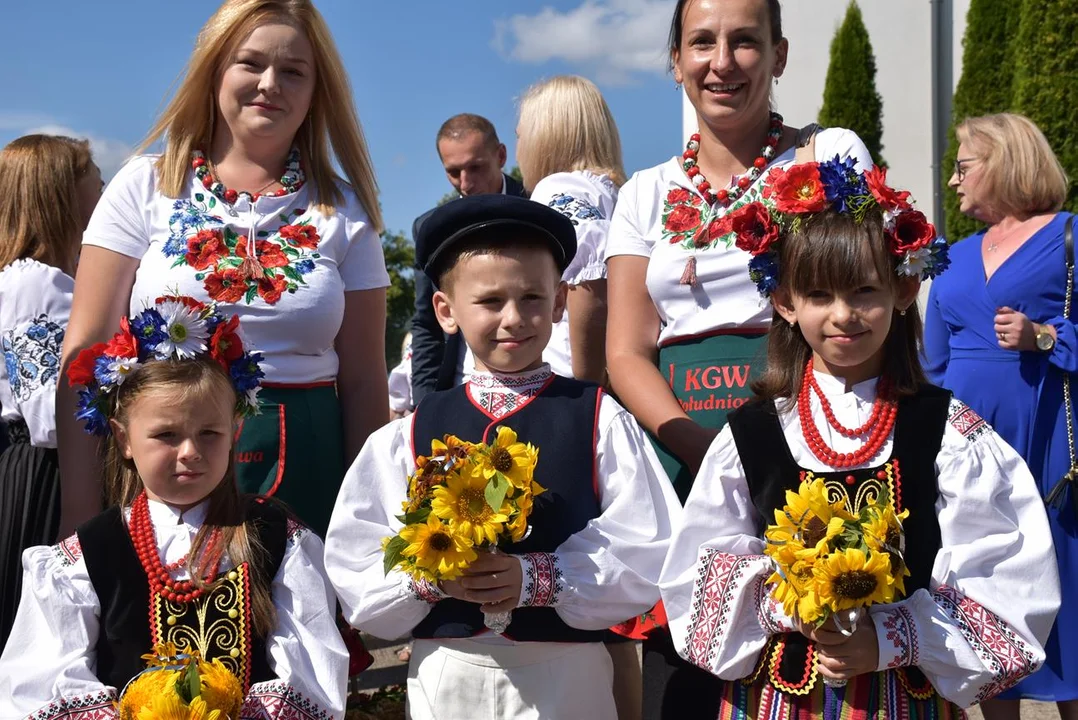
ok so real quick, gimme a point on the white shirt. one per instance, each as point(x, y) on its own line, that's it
point(400, 382)
point(308, 261)
point(994, 576)
point(725, 296)
point(50, 656)
point(607, 572)
point(588, 201)
point(35, 303)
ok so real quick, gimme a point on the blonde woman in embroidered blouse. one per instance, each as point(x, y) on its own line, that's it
point(224, 214)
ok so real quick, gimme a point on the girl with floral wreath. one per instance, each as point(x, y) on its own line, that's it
point(686, 328)
point(243, 208)
point(845, 404)
point(183, 560)
point(49, 185)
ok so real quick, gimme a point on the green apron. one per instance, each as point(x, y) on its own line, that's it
point(710, 376)
point(294, 450)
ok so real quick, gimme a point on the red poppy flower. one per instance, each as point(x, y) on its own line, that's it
point(241, 246)
point(270, 255)
point(718, 227)
point(81, 370)
point(270, 288)
point(677, 195)
point(755, 229)
point(912, 231)
point(682, 219)
point(205, 249)
point(225, 343)
point(772, 180)
point(229, 285)
point(304, 236)
point(887, 197)
point(800, 190)
point(123, 343)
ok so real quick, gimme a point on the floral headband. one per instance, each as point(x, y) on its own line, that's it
point(174, 328)
point(790, 194)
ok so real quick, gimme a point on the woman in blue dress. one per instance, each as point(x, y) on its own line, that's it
point(996, 335)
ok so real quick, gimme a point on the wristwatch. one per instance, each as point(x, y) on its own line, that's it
point(1045, 339)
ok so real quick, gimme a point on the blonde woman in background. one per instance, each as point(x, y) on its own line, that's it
point(244, 208)
point(49, 185)
point(569, 154)
point(996, 335)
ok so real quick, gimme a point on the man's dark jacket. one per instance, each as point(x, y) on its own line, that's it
point(434, 354)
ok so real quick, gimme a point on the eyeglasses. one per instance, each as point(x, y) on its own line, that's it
point(959, 169)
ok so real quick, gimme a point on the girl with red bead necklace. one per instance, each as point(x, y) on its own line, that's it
point(844, 399)
point(185, 558)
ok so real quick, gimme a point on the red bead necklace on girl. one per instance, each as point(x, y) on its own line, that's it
point(878, 426)
point(159, 575)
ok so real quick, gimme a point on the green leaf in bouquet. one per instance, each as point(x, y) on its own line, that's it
point(495, 491)
point(394, 553)
point(415, 517)
point(188, 687)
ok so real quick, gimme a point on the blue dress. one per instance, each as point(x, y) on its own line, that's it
point(1021, 395)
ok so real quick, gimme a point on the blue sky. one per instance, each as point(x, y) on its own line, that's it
point(103, 70)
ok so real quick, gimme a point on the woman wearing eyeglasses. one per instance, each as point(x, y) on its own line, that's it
point(996, 334)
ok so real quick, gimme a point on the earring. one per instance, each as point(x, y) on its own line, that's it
point(902, 313)
point(776, 82)
point(793, 323)
point(677, 87)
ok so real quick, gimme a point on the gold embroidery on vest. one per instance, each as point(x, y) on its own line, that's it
point(869, 490)
point(216, 624)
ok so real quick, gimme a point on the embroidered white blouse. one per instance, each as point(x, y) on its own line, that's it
point(48, 664)
point(995, 586)
point(278, 263)
point(725, 296)
point(606, 573)
point(35, 303)
point(588, 201)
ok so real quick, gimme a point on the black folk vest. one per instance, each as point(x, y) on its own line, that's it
point(218, 623)
point(908, 478)
point(562, 422)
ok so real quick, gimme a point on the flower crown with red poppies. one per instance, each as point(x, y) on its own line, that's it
point(175, 328)
point(790, 195)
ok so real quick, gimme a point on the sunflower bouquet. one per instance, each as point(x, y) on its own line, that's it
point(179, 685)
point(463, 498)
point(831, 563)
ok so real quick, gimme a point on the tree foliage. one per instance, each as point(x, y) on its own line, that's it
point(1046, 77)
point(986, 86)
point(400, 296)
point(850, 99)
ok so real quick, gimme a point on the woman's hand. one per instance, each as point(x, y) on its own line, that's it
point(493, 581)
point(1015, 331)
point(842, 657)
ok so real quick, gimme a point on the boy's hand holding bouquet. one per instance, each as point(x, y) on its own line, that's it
point(464, 498)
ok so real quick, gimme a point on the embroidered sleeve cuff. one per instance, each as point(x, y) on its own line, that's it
point(769, 611)
point(426, 591)
point(896, 634)
point(542, 584)
point(276, 699)
point(92, 706)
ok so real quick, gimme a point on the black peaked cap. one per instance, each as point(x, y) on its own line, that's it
point(454, 222)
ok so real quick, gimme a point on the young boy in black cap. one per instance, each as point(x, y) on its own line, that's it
point(599, 532)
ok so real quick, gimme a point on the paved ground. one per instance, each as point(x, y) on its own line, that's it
point(388, 670)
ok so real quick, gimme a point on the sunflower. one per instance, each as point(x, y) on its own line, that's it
point(454, 449)
point(437, 548)
point(142, 691)
point(852, 578)
point(219, 688)
point(463, 504)
point(883, 534)
point(808, 519)
point(515, 460)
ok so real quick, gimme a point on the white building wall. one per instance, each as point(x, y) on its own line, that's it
point(902, 39)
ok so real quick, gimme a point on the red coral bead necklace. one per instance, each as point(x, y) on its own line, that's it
point(879, 425)
point(158, 574)
point(741, 183)
point(292, 180)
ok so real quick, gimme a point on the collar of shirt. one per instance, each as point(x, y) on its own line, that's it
point(499, 394)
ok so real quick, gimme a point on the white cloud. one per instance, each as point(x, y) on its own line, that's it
point(611, 39)
point(109, 153)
